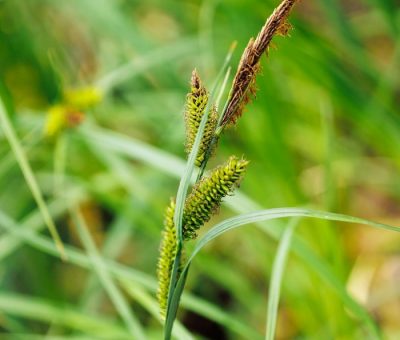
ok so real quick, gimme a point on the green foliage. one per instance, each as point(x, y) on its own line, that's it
point(323, 132)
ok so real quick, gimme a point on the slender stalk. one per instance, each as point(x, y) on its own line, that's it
point(111, 288)
point(29, 177)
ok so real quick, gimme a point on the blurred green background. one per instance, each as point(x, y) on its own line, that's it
point(323, 132)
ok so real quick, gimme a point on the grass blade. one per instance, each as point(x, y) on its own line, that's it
point(33, 223)
point(269, 214)
point(42, 310)
point(75, 256)
point(276, 279)
point(145, 62)
point(113, 292)
point(29, 176)
point(60, 162)
point(117, 238)
point(265, 215)
point(133, 148)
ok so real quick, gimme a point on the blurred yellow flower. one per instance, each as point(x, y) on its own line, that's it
point(60, 117)
point(70, 112)
point(56, 120)
point(82, 98)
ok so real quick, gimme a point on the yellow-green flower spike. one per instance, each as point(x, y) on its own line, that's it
point(207, 195)
point(56, 120)
point(70, 112)
point(167, 257)
point(196, 102)
point(82, 98)
point(60, 117)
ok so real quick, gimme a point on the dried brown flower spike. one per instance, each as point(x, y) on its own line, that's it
point(243, 84)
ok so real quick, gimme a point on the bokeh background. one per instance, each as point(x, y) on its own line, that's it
point(323, 132)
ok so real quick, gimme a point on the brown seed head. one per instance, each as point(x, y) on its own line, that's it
point(249, 66)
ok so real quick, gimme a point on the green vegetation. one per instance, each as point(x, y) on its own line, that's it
point(92, 117)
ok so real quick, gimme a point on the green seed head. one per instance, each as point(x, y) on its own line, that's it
point(167, 257)
point(196, 102)
point(207, 195)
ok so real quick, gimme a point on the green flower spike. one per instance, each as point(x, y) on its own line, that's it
point(196, 102)
point(207, 195)
point(167, 257)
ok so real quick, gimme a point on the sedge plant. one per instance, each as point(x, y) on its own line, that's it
point(204, 124)
point(193, 205)
point(190, 210)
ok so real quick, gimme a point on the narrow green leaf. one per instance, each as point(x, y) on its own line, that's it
point(38, 309)
point(142, 63)
point(29, 176)
point(276, 279)
point(60, 162)
point(265, 215)
point(116, 240)
point(113, 292)
point(269, 214)
point(33, 222)
point(117, 143)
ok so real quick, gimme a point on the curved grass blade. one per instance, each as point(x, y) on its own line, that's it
point(113, 292)
point(135, 149)
point(270, 214)
point(29, 176)
point(276, 279)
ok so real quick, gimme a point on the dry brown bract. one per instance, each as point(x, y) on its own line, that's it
point(243, 84)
